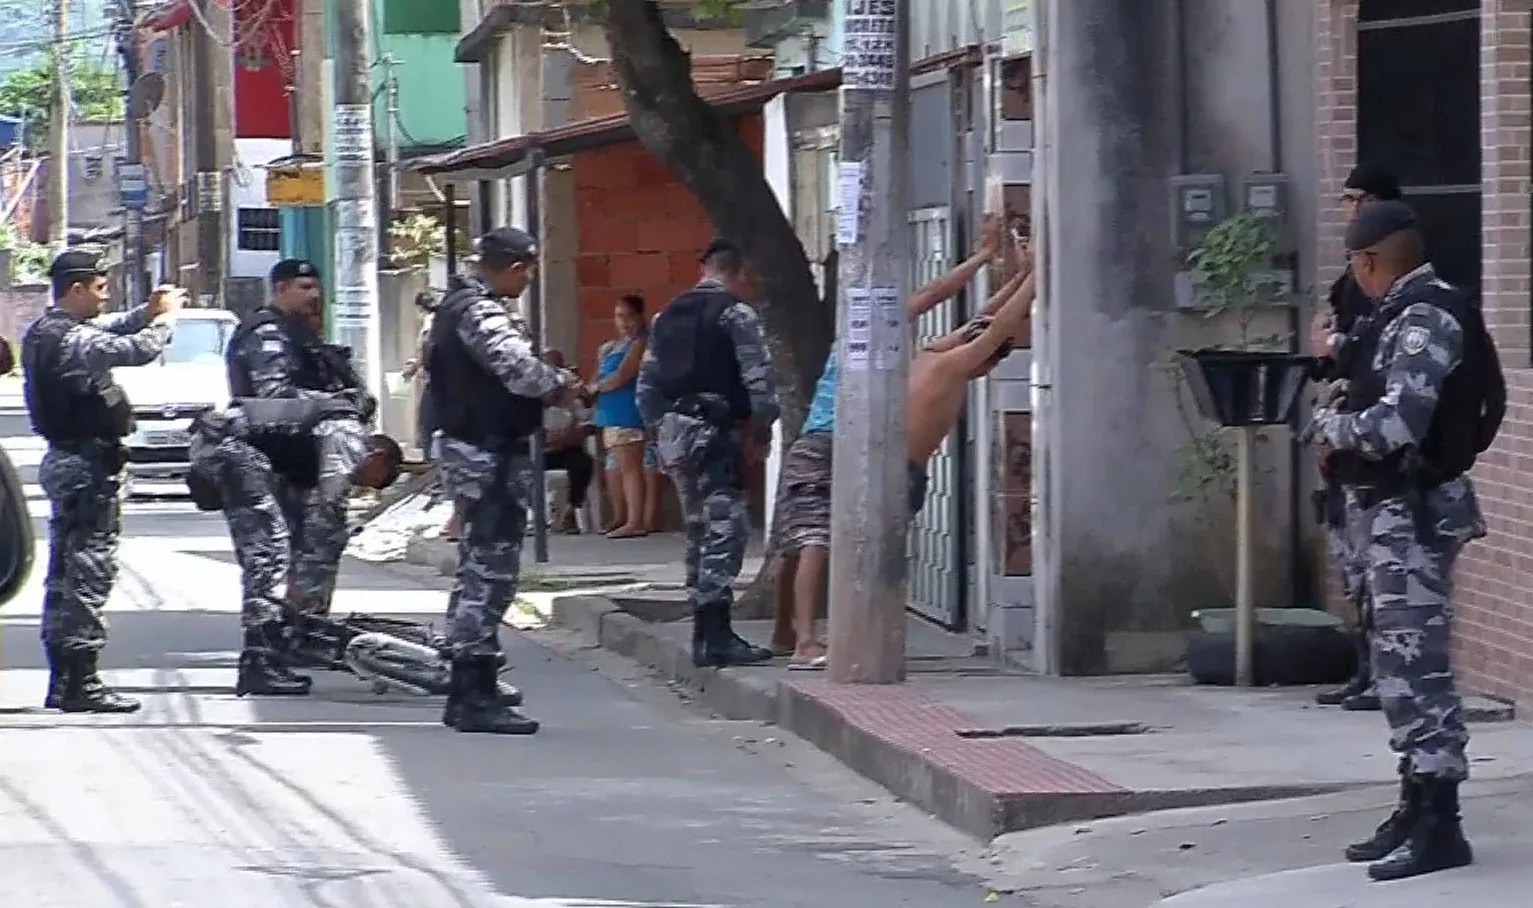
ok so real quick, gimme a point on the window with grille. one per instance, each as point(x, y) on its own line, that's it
point(1418, 115)
point(258, 230)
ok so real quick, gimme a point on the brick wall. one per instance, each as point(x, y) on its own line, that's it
point(1336, 154)
point(1493, 630)
point(640, 232)
point(1494, 619)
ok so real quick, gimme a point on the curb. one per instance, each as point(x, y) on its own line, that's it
point(956, 794)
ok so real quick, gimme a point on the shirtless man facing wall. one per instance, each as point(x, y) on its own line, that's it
point(937, 390)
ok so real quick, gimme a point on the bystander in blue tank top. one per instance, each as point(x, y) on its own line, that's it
point(619, 408)
point(822, 409)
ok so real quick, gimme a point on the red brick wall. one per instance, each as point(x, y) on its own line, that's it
point(640, 232)
point(1493, 621)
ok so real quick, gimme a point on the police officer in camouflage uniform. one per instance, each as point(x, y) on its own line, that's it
point(1402, 439)
point(1346, 316)
point(488, 389)
point(84, 415)
point(237, 456)
point(276, 353)
point(707, 393)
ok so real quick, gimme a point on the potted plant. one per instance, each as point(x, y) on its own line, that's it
point(1246, 388)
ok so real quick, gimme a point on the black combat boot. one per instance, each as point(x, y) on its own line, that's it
point(261, 672)
point(479, 707)
point(509, 696)
point(457, 683)
point(85, 692)
point(59, 667)
point(1396, 829)
point(716, 645)
point(1436, 839)
point(1362, 679)
point(1365, 702)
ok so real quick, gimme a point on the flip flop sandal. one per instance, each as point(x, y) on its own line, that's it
point(817, 664)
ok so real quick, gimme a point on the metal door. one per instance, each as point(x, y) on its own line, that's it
point(936, 576)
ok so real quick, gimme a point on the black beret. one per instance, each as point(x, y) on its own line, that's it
point(1377, 220)
point(1375, 181)
point(78, 264)
point(291, 270)
point(717, 246)
point(505, 246)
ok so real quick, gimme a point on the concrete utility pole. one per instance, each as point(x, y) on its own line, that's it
point(210, 175)
point(871, 512)
point(352, 190)
point(309, 138)
point(58, 132)
point(133, 214)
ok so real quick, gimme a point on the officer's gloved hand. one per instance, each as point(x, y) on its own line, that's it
point(365, 404)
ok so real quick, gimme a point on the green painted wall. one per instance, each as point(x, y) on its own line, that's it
point(432, 94)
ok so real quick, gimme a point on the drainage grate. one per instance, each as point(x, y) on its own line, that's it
point(1071, 730)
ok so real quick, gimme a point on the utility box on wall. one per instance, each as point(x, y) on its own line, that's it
point(1198, 205)
point(1268, 196)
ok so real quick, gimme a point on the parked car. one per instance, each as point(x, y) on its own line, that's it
point(168, 393)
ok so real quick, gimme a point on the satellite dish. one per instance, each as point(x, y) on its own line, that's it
point(145, 96)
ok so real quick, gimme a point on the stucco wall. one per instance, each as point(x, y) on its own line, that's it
point(1131, 563)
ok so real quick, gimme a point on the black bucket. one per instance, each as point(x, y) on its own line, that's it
point(1244, 387)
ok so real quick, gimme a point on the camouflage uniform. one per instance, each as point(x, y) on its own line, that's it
point(1410, 580)
point(83, 483)
point(703, 461)
point(249, 489)
point(257, 528)
point(490, 488)
point(316, 525)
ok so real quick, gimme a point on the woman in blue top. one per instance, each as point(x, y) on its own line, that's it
point(617, 415)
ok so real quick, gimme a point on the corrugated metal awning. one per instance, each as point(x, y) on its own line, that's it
point(509, 157)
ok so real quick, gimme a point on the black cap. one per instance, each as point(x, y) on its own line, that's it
point(1377, 220)
point(1375, 181)
point(717, 246)
point(291, 270)
point(505, 246)
point(76, 264)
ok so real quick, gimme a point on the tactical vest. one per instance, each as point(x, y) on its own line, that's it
point(1469, 410)
point(472, 404)
point(311, 372)
point(60, 413)
point(696, 354)
point(283, 430)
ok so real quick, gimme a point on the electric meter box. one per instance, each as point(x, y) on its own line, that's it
point(1198, 205)
point(1267, 196)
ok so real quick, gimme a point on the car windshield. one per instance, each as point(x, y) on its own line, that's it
point(200, 340)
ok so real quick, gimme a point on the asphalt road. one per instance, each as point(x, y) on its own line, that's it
point(626, 798)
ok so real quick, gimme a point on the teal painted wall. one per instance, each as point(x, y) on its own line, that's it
point(432, 94)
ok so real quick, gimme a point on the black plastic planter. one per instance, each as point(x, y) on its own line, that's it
point(1243, 387)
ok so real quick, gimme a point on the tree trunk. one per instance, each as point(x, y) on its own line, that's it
point(706, 155)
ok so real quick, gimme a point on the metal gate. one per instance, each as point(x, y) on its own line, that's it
point(937, 579)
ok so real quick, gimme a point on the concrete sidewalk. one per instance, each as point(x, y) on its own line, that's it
point(990, 750)
point(1269, 854)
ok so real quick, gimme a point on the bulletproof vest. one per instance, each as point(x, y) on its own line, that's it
point(696, 354)
point(312, 371)
point(1469, 409)
point(1350, 310)
point(472, 404)
point(283, 430)
point(64, 414)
